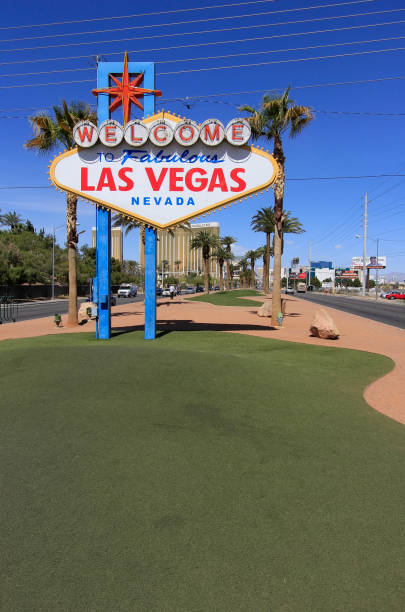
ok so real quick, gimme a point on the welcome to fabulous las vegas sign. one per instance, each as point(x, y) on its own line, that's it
point(164, 169)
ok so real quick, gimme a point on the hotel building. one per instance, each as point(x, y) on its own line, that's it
point(116, 242)
point(177, 251)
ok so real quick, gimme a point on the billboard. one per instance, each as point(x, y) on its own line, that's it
point(371, 262)
point(163, 170)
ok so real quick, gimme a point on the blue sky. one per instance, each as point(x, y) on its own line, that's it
point(338, 142)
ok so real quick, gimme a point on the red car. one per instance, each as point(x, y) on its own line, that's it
point(395, 295)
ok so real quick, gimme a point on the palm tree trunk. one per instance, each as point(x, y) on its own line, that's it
point(266, 267)
point(206, 275)
point(228, 275)
point(278, 154)
point(221, 276)
point(72, 240)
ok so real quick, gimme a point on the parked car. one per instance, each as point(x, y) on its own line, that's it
point(189, 290)
point(158, 291)
point(384, 294)
point(199, 289)
point(127, 291)
point(166, 292)
point(395, 295)
point(216, 288)
point(113, 300)
point(289, 290)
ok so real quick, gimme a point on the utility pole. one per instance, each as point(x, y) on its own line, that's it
point(376, 273)
point(364, 244)
point(309, 262)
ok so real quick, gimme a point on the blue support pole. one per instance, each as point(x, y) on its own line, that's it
point(150, 233)
point(103, 256)
point(103, 224)
point(150, 283)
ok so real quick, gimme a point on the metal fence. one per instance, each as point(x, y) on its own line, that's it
point(8, 309)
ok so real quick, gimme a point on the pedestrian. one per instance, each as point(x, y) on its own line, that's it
point(172, 290)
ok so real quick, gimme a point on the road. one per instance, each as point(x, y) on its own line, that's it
point(391, 313)
point(36, 310)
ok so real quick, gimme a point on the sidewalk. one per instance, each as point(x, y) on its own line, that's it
point(386, 395)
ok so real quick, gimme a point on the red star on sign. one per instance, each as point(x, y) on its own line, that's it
point(126, 92)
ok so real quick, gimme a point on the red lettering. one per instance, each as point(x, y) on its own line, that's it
point(109, 133)
point(241, 184)
point(129, 183)
point(199, 183)
point(237, 133)
point(191, 131)
point(156, 183)
point(84, 177)
point(156, 130)
point(106, 180)
point(211, 135)
point(175, 178)
point(218, 180)
point(133, 139)
point(85, 133)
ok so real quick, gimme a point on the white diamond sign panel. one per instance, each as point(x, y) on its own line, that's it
point(164, 184)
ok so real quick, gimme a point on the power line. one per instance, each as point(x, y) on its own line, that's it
point(209, 57)
point(215, 68)
point(173, 23)
point(236, 93)
point(78, 44)
point(215, 43)
point(200, 8)
point(285, 61)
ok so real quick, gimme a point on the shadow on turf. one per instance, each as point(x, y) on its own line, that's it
point(165, 327)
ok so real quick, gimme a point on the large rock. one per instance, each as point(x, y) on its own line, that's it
point(264, 310)
point(82, 314)
point(323, 326)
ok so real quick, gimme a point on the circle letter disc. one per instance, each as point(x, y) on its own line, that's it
point(85, 134)
point(212, 132)
point(111, 133)
point(136, 133)
point(187, 133)
point(238, 132)
point(160, 133)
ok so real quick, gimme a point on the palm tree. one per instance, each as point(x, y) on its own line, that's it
point(221, 255)
point(243, 270)
point(11, 220)
point(231, 273)
point(227, 242)
point(276, 115)
point(50, 132)
point(252, 256)
point(263, 252)
point(206, 241)
point(263, 221)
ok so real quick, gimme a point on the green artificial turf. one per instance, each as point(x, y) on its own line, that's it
point(229, 298)
point(200, 472)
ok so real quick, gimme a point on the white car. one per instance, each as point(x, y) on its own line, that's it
point(166, 293)
point(127, 291)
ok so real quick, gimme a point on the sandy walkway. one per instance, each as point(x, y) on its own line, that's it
point(387, 395)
